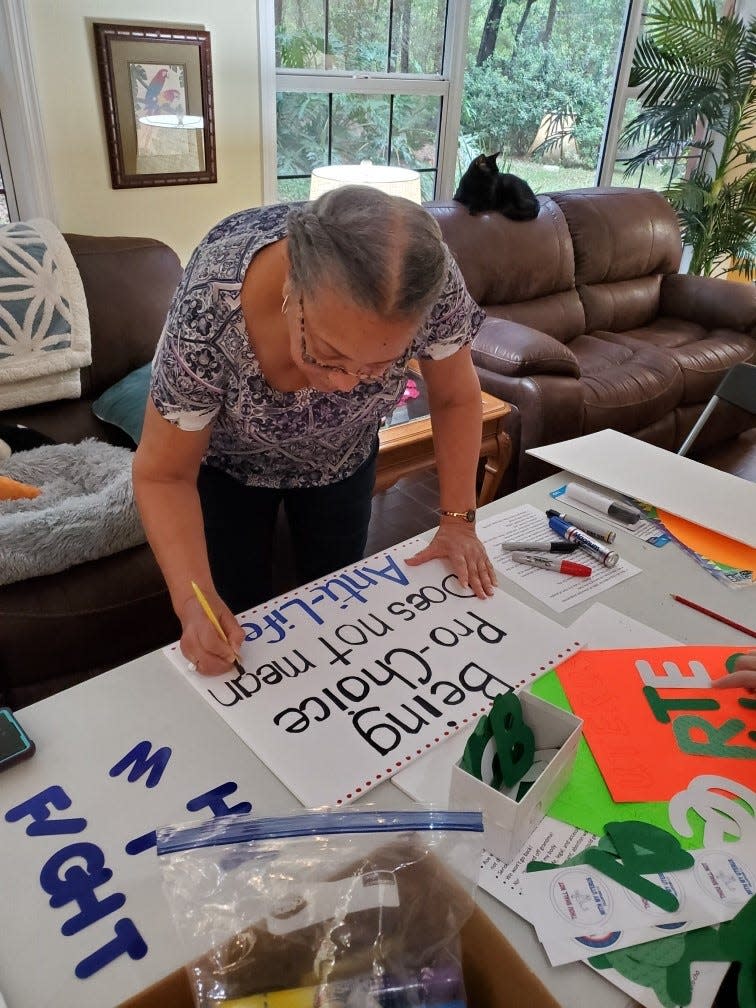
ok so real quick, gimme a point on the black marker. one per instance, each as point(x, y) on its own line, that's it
point(540, 547)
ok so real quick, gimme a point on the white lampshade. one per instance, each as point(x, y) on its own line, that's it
point(389, 179)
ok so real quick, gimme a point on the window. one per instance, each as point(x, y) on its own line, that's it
point(364, 79)
point(539, 86)
point(665, 170)
point(627, 106)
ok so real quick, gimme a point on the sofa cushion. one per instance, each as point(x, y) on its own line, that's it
point(67, 421)
point(119, 605)
point(622, 304)
point(625, 387)
point(559, 315)
point(620, 233)
point(703, 356)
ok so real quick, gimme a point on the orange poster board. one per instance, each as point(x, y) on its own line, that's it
point(653, 723)
point(711, 545)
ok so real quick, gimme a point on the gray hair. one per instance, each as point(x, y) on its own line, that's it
point(386, 252)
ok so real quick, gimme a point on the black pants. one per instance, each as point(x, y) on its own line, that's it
point(329, 527)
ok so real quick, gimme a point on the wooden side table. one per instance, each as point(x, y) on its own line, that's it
point(406, 442)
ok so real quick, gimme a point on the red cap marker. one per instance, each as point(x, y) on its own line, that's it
point(553, 564)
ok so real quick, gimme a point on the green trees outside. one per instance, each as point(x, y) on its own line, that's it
point(551, 58)
point(696, 70)
point(526, 60)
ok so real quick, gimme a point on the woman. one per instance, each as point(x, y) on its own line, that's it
point(285, 345)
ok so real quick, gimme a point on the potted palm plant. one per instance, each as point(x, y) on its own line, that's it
point(696, 71)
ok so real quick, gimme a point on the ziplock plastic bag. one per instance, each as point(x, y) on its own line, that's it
point(340, 909)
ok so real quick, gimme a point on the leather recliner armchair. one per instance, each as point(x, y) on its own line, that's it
point(591, 326)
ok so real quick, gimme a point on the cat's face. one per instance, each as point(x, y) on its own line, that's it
point(487, 162)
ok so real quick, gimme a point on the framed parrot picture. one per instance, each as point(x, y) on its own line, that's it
point(157, 100)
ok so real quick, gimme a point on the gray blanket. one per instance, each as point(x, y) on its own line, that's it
point(86, 509)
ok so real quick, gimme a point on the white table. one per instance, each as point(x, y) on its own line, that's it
point(83, 732)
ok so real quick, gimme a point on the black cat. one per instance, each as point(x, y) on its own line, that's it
point(484, 188)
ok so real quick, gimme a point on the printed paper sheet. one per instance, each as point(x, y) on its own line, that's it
point(558, 591)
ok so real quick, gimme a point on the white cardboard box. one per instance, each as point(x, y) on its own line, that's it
point(509, 823)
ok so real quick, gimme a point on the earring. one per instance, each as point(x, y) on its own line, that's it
point(284, 303)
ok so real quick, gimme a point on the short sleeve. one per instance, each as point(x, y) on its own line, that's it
point(188, 371)
point(453, 321)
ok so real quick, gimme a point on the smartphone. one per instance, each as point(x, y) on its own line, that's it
point(15, 744)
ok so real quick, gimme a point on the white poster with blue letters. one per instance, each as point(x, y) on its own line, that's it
point(349, 679)
point(83, 919)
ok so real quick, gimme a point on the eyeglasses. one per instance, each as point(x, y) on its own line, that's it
point(363, 374)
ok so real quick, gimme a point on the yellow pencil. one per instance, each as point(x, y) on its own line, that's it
point(214, 620)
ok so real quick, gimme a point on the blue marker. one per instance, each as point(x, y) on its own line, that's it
point(602, 553)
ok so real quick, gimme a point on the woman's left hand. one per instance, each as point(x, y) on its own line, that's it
point(459, 544)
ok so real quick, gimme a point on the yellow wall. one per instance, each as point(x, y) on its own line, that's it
point(62, 42)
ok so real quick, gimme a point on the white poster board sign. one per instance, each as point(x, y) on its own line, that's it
point(350, 679)
point(686, 488)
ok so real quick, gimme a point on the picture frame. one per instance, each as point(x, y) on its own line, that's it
point(157, 100)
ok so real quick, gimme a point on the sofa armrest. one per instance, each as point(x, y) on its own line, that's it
point(712, 302)
point(515, 350)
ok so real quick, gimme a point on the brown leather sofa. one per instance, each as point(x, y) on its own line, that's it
point(590, 325)
point(64, 628)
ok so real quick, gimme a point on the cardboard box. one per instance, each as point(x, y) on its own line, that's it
point(495, 976)
point(509, 823)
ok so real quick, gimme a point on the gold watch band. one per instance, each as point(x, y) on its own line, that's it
point(468, 516)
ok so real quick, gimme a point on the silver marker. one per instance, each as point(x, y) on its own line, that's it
point(607, 557)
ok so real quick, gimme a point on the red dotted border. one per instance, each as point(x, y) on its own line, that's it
point(575, 646)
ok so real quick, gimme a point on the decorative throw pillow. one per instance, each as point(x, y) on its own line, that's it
point(123, 404)
point(44, 320)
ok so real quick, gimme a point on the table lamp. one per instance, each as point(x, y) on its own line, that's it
point(388, 178)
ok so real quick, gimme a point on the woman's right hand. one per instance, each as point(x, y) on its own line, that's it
point(743, 676)
point(201, 643)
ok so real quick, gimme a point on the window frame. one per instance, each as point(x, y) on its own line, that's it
point(447, 86)
point(621, 92)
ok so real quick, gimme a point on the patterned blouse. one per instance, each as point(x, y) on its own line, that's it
point(205, 370)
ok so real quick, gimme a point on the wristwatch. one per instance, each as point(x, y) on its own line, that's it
point(469, 516)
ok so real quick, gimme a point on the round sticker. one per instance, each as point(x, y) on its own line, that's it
point(726, 878)
point(579, 896)
point(665, 882)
